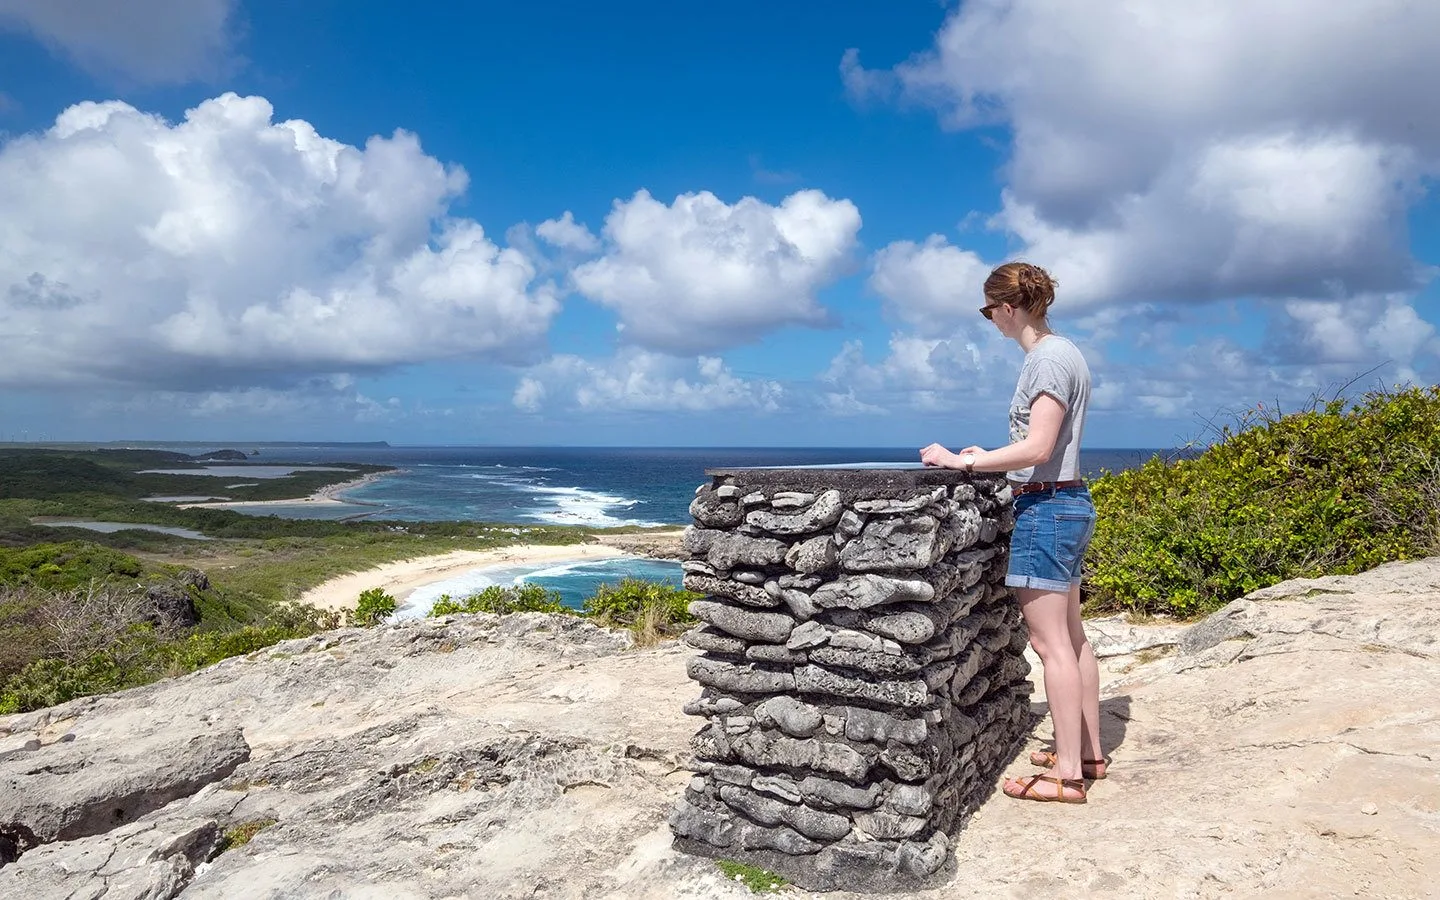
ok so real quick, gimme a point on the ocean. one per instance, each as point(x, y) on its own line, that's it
point(599, 487)
point(596, 487)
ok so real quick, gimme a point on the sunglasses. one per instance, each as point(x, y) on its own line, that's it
point(988, 310)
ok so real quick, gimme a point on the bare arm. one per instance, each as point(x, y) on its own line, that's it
point(1046, 417)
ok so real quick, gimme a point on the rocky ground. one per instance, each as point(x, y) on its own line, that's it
point(1284, 747)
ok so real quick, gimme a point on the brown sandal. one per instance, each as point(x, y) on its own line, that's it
point(1027, 789)
point(1046, 759)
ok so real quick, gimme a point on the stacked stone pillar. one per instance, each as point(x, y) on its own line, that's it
point(861, 664)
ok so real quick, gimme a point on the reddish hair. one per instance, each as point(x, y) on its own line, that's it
point(1023, 286)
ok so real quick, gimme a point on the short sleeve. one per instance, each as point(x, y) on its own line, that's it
point(1047, 377)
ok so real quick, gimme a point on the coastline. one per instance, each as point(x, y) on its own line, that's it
point(402, 578)
point(329, 495)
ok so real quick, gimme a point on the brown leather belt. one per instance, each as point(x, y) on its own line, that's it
point(1035, 487)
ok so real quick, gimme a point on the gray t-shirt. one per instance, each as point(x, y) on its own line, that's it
point(1055, 367)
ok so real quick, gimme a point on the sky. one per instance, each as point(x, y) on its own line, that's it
point(741, 224)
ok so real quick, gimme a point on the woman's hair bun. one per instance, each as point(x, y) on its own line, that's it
point(1023, 286)
point(1036, 287)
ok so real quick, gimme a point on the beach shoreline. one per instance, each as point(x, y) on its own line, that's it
point(329, 495)
point(403, 577)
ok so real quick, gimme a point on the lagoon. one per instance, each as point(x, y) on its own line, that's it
point(112, 527)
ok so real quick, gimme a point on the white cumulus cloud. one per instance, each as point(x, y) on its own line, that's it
point(641, 380)
point(1195, 151)
point(233, 250)
point(930, 286)
point(700, 274)
point(150, 41)
point(567, 234)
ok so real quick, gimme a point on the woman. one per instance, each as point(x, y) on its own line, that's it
point(1054, 520)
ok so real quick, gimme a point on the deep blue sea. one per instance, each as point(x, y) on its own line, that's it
point(594, 486)
point(597, 487)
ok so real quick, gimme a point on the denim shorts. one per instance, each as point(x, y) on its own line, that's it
point(1052, 530)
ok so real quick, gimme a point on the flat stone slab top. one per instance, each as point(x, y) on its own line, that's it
point(857, 479)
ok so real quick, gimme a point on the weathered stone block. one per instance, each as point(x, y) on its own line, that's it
point(747, 594)
point(866, 591)
point(906, 627)
point(806, 635)
point(889, 826)
point(881, 664)
point(774, 653)
point(796, 719)
point(909, 693)
point(893, 543)
point(703, 637)
point(823, 513)
point(729, 549)
point(765, 749)
point(826, 792)
point(881, 728)
point(769, 627)
point(738, 677)
point(716, 512)
point(810, 556)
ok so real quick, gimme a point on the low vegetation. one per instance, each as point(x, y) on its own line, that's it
point(651, 610)
point(1333, 489)
point(502, 601)
point(78, 613)
point(374, 607)
point(241, 834)
point(758, 880)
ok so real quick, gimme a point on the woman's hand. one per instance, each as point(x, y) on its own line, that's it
point(937, 455)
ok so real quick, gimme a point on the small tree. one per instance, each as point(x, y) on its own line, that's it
point(375, 606)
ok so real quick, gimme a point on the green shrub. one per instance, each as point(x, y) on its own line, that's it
point(144, 655)
point(375, 606)
point(1334, 489)
point(634, 601)
point(503, 600)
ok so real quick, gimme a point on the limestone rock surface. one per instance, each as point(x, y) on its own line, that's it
point(531, 757)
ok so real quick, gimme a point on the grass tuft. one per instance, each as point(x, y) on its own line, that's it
point(758, 880)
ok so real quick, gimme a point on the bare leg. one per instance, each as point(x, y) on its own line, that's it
point(1047, 615)
point(1089, 685)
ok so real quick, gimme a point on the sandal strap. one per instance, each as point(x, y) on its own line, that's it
point(1051, 758)
point(1028, 786)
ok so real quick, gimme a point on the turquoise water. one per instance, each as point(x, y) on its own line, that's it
point(112, 527)
point(575, 581)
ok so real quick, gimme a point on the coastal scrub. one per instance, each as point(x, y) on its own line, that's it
point(1334, 489)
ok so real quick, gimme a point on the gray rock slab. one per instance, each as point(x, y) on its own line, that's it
point(738, 678)
point(823, 513)
point(818, 680)
point(796, 719)
point(752, 625)
point(746, 594)
point(870, 590)
point(89, 786)
point(893, 543)
point(810, 556)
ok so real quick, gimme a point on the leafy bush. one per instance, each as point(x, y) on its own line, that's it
point(375, 606)
point(143, 655)
point(71, 564)
point(651, 609)
point(1334, 489)
point(502, 600)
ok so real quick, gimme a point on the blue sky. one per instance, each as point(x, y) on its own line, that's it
point(749, 224)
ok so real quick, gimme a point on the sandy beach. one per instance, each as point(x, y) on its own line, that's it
point(329, 495)
point(401, 579)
